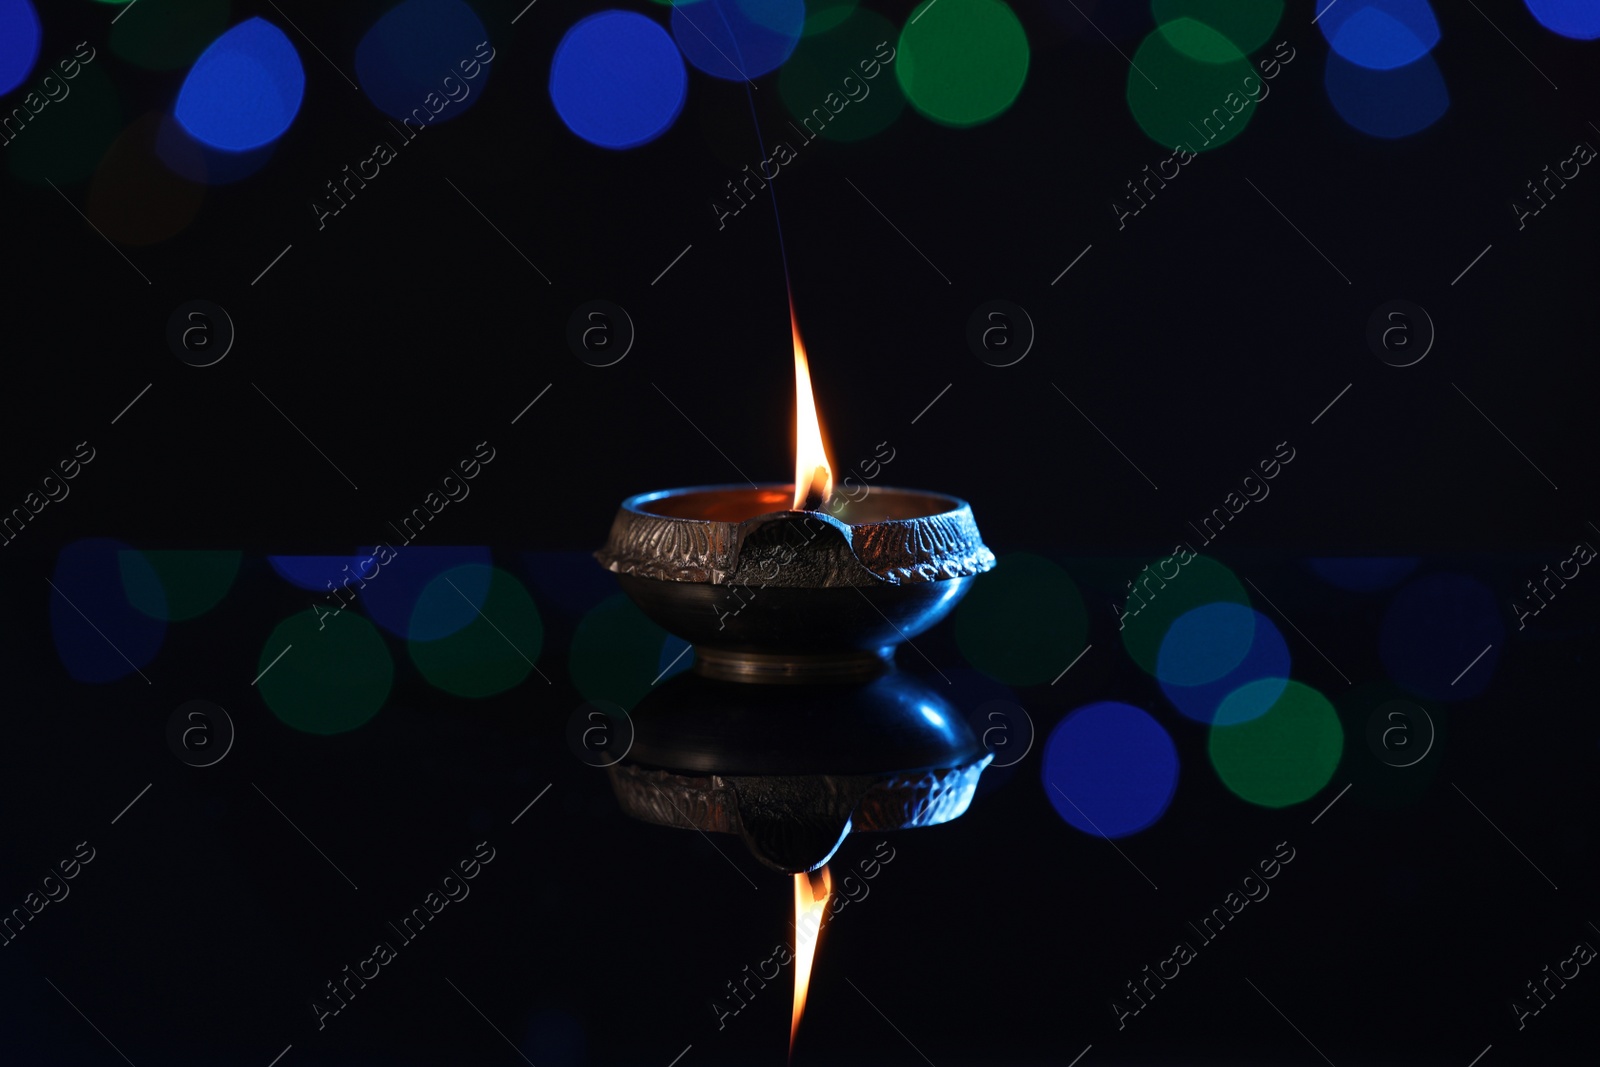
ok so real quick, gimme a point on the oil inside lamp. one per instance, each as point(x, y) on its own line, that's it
point(811, 892)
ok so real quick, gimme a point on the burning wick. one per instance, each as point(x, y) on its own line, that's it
point(811, 892)
point(813, 471)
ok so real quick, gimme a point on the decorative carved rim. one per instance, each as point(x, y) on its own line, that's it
point(900, 801)
point(651, 541)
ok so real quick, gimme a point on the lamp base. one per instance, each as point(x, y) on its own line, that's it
point(792, 668)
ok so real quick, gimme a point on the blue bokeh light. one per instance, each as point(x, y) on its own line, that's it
point(1210, 634)
point(1205, 643)
point(19, 42)
point(1387, 103)
point(617, 80)
point(1442, 636)
point(99, 635)
point(422, 58)
point(1109, 769)
point(1578, 19)
point(313, 572)
point(738, 39)
point(245, 89)
point(1379, 34)
point(1362, 574)
point(392, 593)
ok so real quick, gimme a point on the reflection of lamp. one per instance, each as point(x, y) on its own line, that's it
point(793, 769)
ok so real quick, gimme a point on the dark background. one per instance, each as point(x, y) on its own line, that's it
point(1196, 338)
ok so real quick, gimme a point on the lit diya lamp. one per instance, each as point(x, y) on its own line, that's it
point(794, 727)
point(790, 582)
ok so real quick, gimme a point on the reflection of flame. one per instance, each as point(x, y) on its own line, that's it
point(813, 472)
point(811, 891)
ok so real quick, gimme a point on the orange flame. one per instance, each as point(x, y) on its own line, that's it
point(811, 893)
point(813, 471)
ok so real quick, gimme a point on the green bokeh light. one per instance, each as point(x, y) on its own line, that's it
point(65, 140)
point(493, 652)
point(141, 585)
point(1246, 23)
point(1284, 756)
point(1197, 40)
point(825, 75)
point(616, 653)
point(1165, 596)
point(824, 15)
point(962, 62)
point(1178, 100)
point(333, 679)
point(177, 585)
point(169, 34)
point(1023, 622)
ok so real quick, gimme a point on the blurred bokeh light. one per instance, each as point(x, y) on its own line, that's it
point(494, 650)
point(617, 80)
point(1169, 589)
point(1169, 89)
point(1209, 653)
point(835, 64)
point(334, 676)
point(99, 635)
point(617, 653)
point(19, 42)
point(1378, 34)
point(1362, 574)
point(245, 89)
point(1387, 103)
point(1023, 622)
point(737, 39)
point(1578, 19)
point(392, 591)
point(1110, 769)
point(962, 62)
point(1248, 24)
point(174, 585)
point(408, 55)
point(1284, 756)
